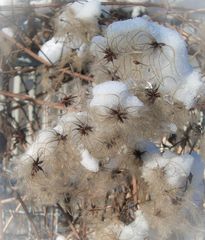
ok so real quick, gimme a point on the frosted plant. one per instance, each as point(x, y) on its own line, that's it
point(107, 157)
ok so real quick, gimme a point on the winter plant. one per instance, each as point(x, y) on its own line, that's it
point(123, 159)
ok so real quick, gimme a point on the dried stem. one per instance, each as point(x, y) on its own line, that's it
point(69, 222)
point(134, 189)
point(27, 214)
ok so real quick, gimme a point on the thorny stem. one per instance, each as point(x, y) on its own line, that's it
point(78, 75)
point(33, 100)
point(18, 197)
point(26, 50)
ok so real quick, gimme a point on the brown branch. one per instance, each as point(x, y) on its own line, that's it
point(33, 100)
point(27, 214)
point(145, 4)
point(26, 50)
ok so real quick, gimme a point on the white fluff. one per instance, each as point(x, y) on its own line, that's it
point(89, 162)
point(44, 145)
point(197, 182)
point(86, 10)
point(177, 168)
point(98, 45)
point(67, 122)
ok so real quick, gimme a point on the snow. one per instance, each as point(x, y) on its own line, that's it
point(57, 48)
point(133, 101)
point(169, 63)
point(188, 90)
point(113, 93)
point(89, 162)
point(108, 94)
point(110, 87)
point(8, 31)
point(53, 50)
point(137, 230)
point(86, 10)
point(60, 237)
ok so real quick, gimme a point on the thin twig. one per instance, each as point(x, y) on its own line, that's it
point(11, 218)
point(20, 70)
point(78, 75)
point(33, 100)
point(27, 214)
point(7, 200)
point(134, 189)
